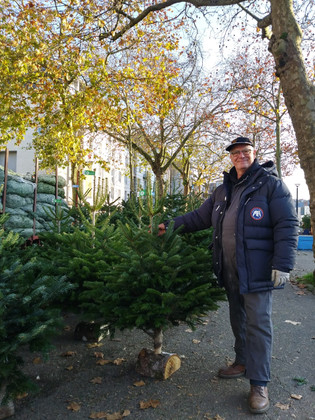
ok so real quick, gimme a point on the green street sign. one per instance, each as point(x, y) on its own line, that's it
point(86, 172)
point(58, 200)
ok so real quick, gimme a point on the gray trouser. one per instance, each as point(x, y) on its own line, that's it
point(250, 318)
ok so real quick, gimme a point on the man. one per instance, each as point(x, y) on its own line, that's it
point(255, 232)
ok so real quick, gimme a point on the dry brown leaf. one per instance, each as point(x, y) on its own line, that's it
point(37, 361)
point(68, 353)
point(196, 341)
point(69, 367)
point(119, 361)
point(103, 362)
point(118, 416)
point(99, 355)
point(189, 330)
point(296, 396)
point(96, 380)
point(216, 417)
point(147, 404)
point(98, 415)
point(139, 383)
point(74, 406)
point(282, 406)
point(93, 345)
point(67, 328)
point(21, 396)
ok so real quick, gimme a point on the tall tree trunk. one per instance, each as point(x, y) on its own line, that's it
point(159, 183)
point(278, 134)
point(298, 91)
point(158, 340)
point(131, 166)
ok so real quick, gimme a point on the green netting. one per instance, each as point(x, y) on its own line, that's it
point(15, 201)
point(45, 188)
point(21, 187)
point(20, 202)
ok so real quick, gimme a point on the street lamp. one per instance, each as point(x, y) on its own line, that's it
point(297, 199)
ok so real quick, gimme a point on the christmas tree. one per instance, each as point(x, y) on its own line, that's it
point(27, 316)
point(157, 282)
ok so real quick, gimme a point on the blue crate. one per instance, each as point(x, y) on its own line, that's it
point(305, 242)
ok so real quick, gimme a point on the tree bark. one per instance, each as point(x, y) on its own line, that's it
point(298, 91)
point(158, 366)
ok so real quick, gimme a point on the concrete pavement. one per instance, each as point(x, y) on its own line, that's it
point(194, 391)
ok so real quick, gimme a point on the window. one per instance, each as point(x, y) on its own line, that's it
point(11, 162)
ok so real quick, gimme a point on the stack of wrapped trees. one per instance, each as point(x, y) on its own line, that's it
point(20, 197)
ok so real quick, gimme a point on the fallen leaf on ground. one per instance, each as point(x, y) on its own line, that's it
point(292, 322)
point(21, 396)
point(68, 353)
point(296, 397)
point(96, 380)
point(37, 361)
point(139, 383)
point(93, 345)
point(103, 362)
point(119, 361)
point(98, 415)
point(74, 406)
point(118, 416)
point(196, 341)
point(67, 328)
point(69, 367)
point(99, 355)
point(147, 404)
point(282, 406)
point(189, 330)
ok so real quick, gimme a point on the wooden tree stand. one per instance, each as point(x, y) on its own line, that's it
point(158, 366)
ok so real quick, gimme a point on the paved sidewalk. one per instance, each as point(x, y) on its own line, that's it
point(194, 391)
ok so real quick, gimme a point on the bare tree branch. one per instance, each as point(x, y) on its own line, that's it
point(133, 21)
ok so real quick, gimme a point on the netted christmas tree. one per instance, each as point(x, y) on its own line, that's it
point(157, 283)
point(80, 254)
point(27, 314)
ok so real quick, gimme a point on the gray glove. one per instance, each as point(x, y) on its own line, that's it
point(279, 278)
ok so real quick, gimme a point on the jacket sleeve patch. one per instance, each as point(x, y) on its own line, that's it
point(257, 213)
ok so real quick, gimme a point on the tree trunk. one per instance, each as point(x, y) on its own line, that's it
point(158, 366)
point(159, 184)
point(278, 134)
point(298, 91)
point(158, 340)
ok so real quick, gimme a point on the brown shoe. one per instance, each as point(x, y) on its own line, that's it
point(233, 371)
point(258, 399)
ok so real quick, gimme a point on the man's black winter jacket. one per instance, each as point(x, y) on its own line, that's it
point(266, 226)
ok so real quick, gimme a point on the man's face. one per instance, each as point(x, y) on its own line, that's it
point(242, 157)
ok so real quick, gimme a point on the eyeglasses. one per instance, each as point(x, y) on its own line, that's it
point(246, 152)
